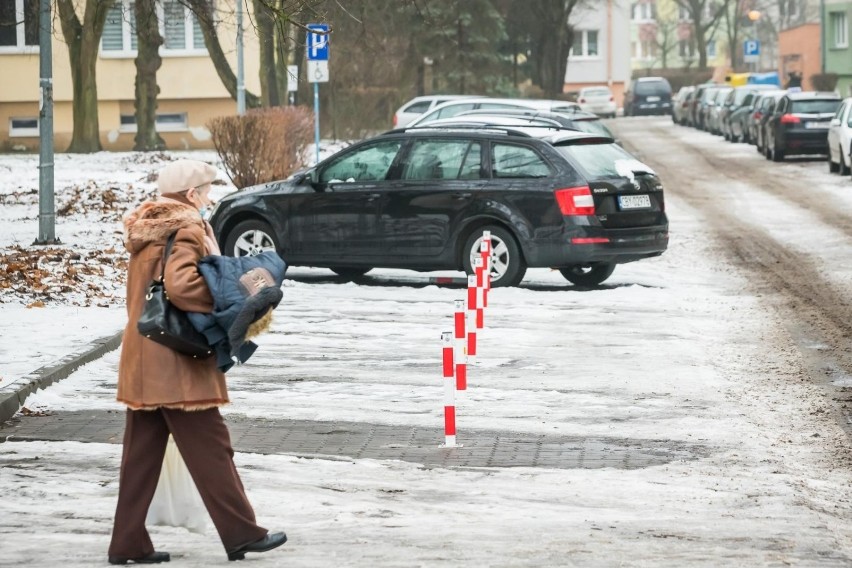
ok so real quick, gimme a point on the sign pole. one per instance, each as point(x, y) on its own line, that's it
point(46, 200)
point(316, 120)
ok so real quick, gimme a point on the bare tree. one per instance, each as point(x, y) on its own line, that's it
point(83, 39)
point(148, 62)
point(705, 16)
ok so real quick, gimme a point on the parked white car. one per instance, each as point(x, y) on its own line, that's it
point(452, 108)
point(418, 105)
point(840, 139)
point(597, 100)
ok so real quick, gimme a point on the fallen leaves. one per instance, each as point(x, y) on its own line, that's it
point(37, 275)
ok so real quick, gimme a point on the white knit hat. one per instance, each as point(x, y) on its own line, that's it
point(181, 175)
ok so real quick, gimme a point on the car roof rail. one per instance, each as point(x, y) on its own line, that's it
point(496, 128)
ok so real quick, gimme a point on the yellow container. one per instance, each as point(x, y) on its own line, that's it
point(736, 79)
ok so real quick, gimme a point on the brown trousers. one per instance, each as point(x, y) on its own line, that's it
point(203, 440)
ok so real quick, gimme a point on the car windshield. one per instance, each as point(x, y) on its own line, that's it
point(596, 160)
point(652, 88)
point(816, 106)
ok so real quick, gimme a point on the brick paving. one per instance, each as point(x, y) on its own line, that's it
point(358, 440)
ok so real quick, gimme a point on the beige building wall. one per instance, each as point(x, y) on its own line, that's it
point(188, 83)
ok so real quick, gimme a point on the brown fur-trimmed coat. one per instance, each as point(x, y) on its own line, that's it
point(151, 375)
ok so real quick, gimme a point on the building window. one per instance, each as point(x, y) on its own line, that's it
point(840, 29)
point(20, 127)
point(166, 122)
point(711, 48)
point(178, 25)
point(644, 11)
point(683, 14)
point(686, 49)
point(18, 25)
point(585, 43)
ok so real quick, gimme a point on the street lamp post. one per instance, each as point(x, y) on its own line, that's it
point(46, 200)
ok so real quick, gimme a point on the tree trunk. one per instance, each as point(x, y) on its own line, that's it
point(265, 26)
point(83, 42)
point(701, 46)
point(203, 9)
point(282, 45)
point(147, 62)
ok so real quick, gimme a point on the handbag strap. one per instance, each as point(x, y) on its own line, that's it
point(166, 252)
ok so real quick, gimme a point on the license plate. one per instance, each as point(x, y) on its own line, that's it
point(818, 125)
point(634, 201)
point(652, 99)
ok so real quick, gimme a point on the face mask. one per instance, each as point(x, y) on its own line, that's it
point(204, 212)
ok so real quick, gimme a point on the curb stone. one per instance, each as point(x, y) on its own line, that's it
point(13, 395)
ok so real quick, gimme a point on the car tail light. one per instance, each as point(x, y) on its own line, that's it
point(758, 115)
point(395, 120)
point(790, 119)
point(589, 241)
point(575, 201)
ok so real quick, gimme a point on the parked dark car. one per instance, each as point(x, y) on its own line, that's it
point(735, 107)
point(764, 110)
point(799, 124)
point(647, 96)
point(419, 198)
point(740, 115)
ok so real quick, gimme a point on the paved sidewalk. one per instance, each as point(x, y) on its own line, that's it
point(360, 440)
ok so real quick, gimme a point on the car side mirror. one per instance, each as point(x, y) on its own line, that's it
point(835, 122)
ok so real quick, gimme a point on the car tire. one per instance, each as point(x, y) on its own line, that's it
point(507, 264)
point(588, 275)
point(833, 167)
point(250, 238)
point(843, 169)
point(777, 155)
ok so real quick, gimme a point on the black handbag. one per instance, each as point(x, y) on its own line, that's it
point(167, 325)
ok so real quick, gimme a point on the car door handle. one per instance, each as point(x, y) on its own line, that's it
point(462, 195)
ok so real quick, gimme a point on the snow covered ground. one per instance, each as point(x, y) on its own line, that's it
point(672, 349)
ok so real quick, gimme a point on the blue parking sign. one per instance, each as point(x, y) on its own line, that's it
point(751, 47)
point(318, 43)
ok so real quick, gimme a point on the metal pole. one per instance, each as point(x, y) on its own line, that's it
point(241, 83)
point(316, 120)
point(46, 205)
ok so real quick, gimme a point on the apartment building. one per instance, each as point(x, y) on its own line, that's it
point(191, 92)
point(837, 51)
point(600, 54)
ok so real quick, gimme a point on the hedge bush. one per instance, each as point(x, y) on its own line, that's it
point(262, 145)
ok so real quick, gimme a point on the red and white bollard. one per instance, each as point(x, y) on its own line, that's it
point(485, 251)
point(460, 341)
point(474, 298)
point(449, 392)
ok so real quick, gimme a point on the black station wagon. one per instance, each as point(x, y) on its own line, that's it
point(420, 198)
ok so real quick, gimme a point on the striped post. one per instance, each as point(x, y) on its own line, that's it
point(485, 250)
point(460, 354)
point(474, 299)
point(449, 391)
point(471, 315)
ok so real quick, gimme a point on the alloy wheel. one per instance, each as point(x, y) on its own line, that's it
point(500, 256)
point(252, 243)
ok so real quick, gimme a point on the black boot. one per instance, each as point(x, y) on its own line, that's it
point(270, 541)
point(153, 558)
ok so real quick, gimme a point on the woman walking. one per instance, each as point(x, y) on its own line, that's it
point(170, 393)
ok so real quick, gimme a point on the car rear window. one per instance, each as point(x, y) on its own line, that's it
point(596, 160)
point(815, 106)
point(452, 110)
point(419, 107)
point(593, 127)
point(653, 88)
point(595, 92)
